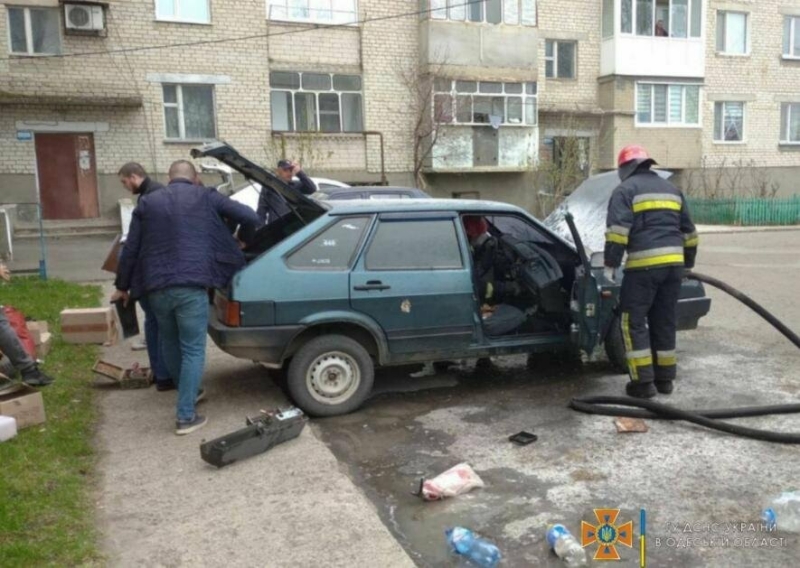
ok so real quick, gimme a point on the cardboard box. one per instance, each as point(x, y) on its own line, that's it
point(37, 329)
point(111, 263)
point(43, 348)
point(89, 325)
point(25, 404)
point(133, 378)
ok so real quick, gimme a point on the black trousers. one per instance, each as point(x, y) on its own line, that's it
point(649, 302)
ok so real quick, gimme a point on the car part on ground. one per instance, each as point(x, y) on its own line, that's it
point(260, 434)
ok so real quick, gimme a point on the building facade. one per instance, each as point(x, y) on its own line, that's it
point(491, 99)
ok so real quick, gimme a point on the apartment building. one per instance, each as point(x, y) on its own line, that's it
point(475, 96)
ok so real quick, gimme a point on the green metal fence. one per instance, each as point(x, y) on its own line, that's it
point(745, 211)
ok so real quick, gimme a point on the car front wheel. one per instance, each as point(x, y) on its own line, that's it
point(330, 375)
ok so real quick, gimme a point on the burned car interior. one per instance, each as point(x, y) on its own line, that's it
point(544, 270)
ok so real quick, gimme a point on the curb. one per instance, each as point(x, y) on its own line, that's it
point(725, 229)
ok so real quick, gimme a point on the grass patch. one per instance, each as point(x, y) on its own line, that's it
point(46, 512)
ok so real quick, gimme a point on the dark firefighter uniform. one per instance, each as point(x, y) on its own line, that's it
point(648, 217)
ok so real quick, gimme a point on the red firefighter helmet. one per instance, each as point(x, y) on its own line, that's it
point(633, 152)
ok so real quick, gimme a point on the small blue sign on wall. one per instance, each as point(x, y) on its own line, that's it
point(24, 135)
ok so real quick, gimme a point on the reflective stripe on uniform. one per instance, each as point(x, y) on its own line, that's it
point(616, 238)
point(655, 257)
point(626, 338)
point(651, 201)
point(691, 239)
point(654, 205)
point(666, 358)
point(638, 354)
point(489, 290)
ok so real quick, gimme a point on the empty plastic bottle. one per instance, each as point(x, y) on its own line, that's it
point(477, 550)
point(784, 511)
point(566, 546)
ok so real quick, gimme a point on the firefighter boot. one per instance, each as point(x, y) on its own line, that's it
point(638, 389)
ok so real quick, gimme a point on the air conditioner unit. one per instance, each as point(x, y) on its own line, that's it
point(84, 17)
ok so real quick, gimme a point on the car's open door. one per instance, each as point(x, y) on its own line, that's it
point(585, 299)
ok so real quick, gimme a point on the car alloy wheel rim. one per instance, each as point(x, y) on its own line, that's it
point(333, 378)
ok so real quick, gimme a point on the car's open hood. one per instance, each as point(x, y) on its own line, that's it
point(589, 206)
point(306, 209)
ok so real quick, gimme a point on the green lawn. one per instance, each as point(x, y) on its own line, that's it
point(46, 472)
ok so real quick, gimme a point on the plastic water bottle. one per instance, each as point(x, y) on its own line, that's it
point(784, 511)
point(477, 550)
point(566, 546)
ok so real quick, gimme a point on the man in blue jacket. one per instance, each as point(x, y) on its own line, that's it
point(181, 247)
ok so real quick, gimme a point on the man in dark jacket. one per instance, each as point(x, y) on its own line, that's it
point(182, 247)
point(134, 178)
point(648, 217)
point(271, 206)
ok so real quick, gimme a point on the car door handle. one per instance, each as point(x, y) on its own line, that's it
point(372, 285)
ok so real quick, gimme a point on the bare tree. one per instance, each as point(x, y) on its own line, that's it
point(429, 110)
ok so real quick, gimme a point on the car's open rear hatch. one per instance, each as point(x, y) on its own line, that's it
point(304, 210)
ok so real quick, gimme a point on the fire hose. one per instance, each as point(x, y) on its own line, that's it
point(639, 408)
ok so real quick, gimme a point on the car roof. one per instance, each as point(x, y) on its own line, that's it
point(419, 205)
point(374, 189)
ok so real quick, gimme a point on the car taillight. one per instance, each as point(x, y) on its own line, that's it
point(228, 311)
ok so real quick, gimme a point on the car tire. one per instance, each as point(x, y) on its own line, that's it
point(615, 346)
point(330, 375)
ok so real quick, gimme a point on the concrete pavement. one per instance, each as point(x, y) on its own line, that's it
point(159, 504)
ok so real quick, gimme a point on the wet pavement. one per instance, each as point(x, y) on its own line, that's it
point(702, 490)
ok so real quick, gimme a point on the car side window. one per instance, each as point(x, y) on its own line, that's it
point(332, 249)
point(379, 196)
point(430, 244)
point(517, 228)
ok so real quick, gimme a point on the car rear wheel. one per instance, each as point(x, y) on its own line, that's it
point(330, 375)
point(615, 346)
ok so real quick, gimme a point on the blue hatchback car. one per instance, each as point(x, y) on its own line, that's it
point(338, 288)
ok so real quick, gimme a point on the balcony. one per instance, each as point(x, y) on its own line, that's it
point(653, 38)
point(472, 149)
point(644, 56)
point(466, 49)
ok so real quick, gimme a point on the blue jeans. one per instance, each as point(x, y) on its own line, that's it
point(182, 315)
point(152, 340)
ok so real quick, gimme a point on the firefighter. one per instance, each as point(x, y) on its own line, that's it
point(648, 217)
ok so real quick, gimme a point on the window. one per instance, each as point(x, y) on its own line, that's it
point(311, 102)
point(325, 11)
point(415, 245)
point(732, 33)
point(729, 122)
point(484, 102)
point(559, 59)
point(192, 11)
point(791, 37)
point(660, 18)
point(790, 123)
point(667, 105)
point(34, 31)
point(189, 112)
point(333, 249)
point(512, 12)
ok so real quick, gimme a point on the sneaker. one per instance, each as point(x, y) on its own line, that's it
point(664, 387)
point(640, 390)
point(164, 386)
point(35, 378)
point(201, 395)
point(188, 426)
point(139, 346)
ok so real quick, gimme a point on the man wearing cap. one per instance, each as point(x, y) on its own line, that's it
point(272, 206)
point(648, 217)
